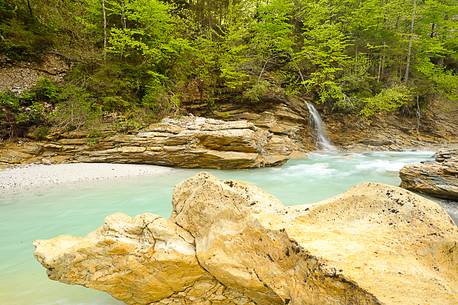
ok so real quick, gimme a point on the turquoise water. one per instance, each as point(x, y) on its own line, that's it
point(80, 208)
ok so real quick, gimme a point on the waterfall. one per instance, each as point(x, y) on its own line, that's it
point(322, 137)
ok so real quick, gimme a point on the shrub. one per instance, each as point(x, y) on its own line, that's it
point(389, 99)
point(18, 114)
point(158, 98)
point(46, 90)
point(9, 106)
point(257, 91)
point(114, 104)
point(24, 41)
point(40, 133)
point(93, 136)
point(76, 109)
point(115, 84)
point(128, 124)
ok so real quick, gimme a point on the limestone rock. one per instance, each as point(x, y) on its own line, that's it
point(141, 260)
point(231, 243)
point(188, 142)
point(438, 178)
point(286, 119)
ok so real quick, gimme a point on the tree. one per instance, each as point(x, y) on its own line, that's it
point(366, 56)
point(322, 58)
point(409, 49)
point(105, 35)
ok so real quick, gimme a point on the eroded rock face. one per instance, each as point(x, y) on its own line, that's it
point(438, 178)
point(231, 243)
point(189, 142)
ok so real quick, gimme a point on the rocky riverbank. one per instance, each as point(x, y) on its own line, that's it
point(230, 136)
point(186, 142)
point(231, 243)
point(437, 178)
point(290, 117)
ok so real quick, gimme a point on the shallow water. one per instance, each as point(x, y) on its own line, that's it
point(80, 208)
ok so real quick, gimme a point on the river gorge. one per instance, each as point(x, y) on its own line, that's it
point(78, 208)
point(178, 152)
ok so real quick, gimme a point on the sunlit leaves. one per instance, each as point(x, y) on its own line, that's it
point(387, 100)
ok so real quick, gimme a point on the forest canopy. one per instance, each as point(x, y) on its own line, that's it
point(354, 56)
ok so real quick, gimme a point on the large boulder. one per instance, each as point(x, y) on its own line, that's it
point(187, 142)
point(140, 260)
point(437, 178)
point(231, 243)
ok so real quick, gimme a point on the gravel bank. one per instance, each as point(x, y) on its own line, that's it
point(33, 176)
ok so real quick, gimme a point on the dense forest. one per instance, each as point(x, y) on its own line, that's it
point(138, 60)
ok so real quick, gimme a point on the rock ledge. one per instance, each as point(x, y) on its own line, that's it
point(187, 142)
point(438, 178)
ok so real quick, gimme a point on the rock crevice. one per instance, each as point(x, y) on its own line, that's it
point(230, 243)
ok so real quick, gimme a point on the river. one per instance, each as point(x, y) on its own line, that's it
point(79, 208)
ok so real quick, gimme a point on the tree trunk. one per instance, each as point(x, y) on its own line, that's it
point(409, 50)
point(418, 114)
point(29, 6)
point(355, 67)
point(381, 63)
point(123, 15)
point(104, 13)
point(262, 71)
point(433, 30)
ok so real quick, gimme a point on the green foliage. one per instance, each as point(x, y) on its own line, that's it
point(257, 91)
point(45, 90)
point(47, 104)
point(150, 34)
point(323, 52)
point(114, 104)
point(40, 132)
point(233, 64)
point(18, 113)
point(148, 57)
point(251, 43)
point(114, 79)
point(93, 136)
point(273, 30)
point(126, 125)
point(133, 120)
point(21, 41)
point(387, 100)
point(199, 66)
point(76, 108)
point(445, 82)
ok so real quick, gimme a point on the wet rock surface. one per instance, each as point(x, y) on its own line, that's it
point(229, 242)
point(187, 142)
point(437, 178)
